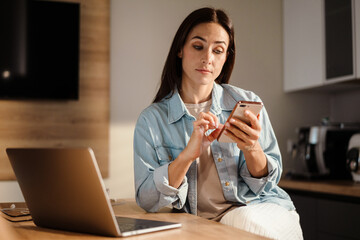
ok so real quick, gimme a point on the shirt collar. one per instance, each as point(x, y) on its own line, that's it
point(176, 107)
point(221, 101)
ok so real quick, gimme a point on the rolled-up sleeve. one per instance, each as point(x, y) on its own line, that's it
point(152, 188)
point(177, 196)
point(259, 185)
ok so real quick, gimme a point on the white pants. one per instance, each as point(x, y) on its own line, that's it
point(265, 219)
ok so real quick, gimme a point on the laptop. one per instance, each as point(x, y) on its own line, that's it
point(63, 190)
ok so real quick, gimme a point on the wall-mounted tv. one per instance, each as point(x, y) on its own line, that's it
point(39, 50)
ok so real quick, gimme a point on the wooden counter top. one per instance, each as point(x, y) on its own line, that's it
point(337, 187)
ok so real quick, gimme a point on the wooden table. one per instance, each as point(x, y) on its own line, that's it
point(193, 227)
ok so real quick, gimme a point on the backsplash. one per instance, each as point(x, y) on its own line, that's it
point(344, 106)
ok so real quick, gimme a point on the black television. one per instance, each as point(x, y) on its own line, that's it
point(39, 50)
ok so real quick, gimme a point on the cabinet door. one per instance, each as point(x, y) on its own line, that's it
point(357, 36)
point(338, 218)
point(303, 44)
point(324, 219)
point(307, 209)
point(339, 40)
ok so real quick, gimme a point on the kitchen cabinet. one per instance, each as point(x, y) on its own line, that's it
point(328, 209)
point(324, 217)
point(357, 36)
point(321, 43)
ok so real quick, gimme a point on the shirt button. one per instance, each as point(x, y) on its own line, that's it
point(227, 184)
point(219, 159)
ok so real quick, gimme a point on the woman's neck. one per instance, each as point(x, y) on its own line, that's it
point(195, 94)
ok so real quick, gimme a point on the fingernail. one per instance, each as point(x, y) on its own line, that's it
point(232, 120)
point(246, 112)
point(227, 125)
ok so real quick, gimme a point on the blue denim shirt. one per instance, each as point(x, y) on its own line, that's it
point(163, 131)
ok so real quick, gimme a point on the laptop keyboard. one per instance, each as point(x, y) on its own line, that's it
point(130, 224)
point(126, 227)
point(133, 224)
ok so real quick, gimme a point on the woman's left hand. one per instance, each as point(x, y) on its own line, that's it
point(246, 136)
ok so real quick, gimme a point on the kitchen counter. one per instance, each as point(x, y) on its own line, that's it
point(328, 209)
point(336, 187)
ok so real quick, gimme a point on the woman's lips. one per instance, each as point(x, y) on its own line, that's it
point(203, 70)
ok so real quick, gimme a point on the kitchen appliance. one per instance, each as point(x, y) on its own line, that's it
point(353, 157)
point(320, 151)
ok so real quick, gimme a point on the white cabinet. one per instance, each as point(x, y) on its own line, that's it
point(321, 42)
point(357, 36)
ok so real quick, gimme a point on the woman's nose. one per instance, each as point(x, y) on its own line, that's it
point(207, 57)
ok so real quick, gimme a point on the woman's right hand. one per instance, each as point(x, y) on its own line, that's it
point(197, 144)
point(199, 141)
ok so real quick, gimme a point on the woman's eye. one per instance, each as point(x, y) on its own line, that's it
point(218, 51)
point(198, 47)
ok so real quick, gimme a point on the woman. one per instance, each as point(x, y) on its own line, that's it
point(178, 160)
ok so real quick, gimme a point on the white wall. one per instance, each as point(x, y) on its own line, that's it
point(10, 192)
point(141, 34)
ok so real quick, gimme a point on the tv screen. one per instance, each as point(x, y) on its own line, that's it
point(39, 50)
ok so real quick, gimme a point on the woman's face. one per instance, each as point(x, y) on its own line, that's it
point(204, 54)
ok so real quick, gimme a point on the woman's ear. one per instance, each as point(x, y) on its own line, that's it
point(180, 54)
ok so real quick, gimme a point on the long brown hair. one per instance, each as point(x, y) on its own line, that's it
point(172, 72)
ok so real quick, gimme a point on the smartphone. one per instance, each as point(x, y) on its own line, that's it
point(238, 112)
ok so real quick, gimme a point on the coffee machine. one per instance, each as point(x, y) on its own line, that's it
point(321, 151)
point(353, 157)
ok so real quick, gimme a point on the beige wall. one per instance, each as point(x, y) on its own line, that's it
point(141, 34)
